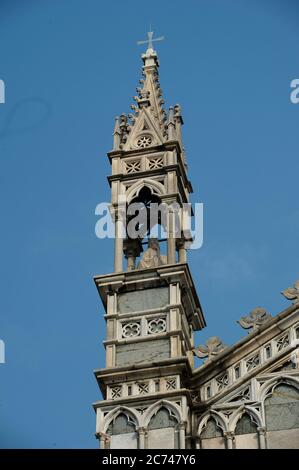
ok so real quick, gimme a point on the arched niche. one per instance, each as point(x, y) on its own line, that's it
point(211, 436)
point(156, 188)
point(163, 430)
point(147, 219)
point(147, 210)
point(122, 432)
point(246, 434)
point(281, 408)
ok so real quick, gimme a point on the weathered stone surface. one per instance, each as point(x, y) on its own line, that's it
point(143, 300)
point(211, 430)
point(283, 439)
point(282, 409)
point(162, 439)
point(124, 441)
point(245, 425)
point(247, 441)
point(162, 420)
point(213, 443)
point(137, 353)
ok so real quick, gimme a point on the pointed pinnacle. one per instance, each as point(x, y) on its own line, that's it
point(116, 126)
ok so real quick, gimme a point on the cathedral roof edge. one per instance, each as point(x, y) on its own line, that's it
point(257, 337)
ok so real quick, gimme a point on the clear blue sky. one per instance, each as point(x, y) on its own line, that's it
point(69, 68)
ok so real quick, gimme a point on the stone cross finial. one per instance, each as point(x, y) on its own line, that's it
point(149, 41)
point(292, 293)
point(257, 317)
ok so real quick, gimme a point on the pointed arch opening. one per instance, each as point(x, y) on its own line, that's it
point(282, 407)
point(147, 218)
point(211, 435)
point(246, 432)
point(121, 430)
point(163, 429)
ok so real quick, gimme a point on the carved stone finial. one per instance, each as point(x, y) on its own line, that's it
point(171, 124)
point(292, 293)
point(177, 110)
point(212, 347)
point(116, 134)
point(257, 317)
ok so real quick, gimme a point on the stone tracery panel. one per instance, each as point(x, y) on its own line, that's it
point(163, 430)
point(122, 432)
point(246, 436)
point(131, 329)
point(282, 408)
point(212, 436)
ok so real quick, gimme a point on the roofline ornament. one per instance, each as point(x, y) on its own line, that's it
point(292, 293)
point(212, 348)
point(256, 318)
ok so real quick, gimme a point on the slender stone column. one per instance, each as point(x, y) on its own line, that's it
point(182, 250)
point(171, 238)
point(182, 436)
point(118, 244)
point(141, 433)
point(229, 439)
point(104, 440)
point(131, 249)
point(131, 262)
point(262, 437)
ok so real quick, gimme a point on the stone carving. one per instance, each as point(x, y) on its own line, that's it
point(253, 362)
point(195, 396)
point(155, 163)
point(151, 257)
point(282, 342)
point(133, 166)
point(256, 318)
point(292, 293)
point(222, 381)
point(213, 347)
point(144, 141)
point(243, 395)
point(170, 384)
point(157, 325)
point(131, 329)
point(115, 392)
point(143, 388)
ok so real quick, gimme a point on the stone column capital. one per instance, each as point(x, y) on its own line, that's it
point(261, 430)
point(229, 435)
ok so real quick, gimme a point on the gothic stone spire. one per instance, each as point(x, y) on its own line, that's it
point(149, 123)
